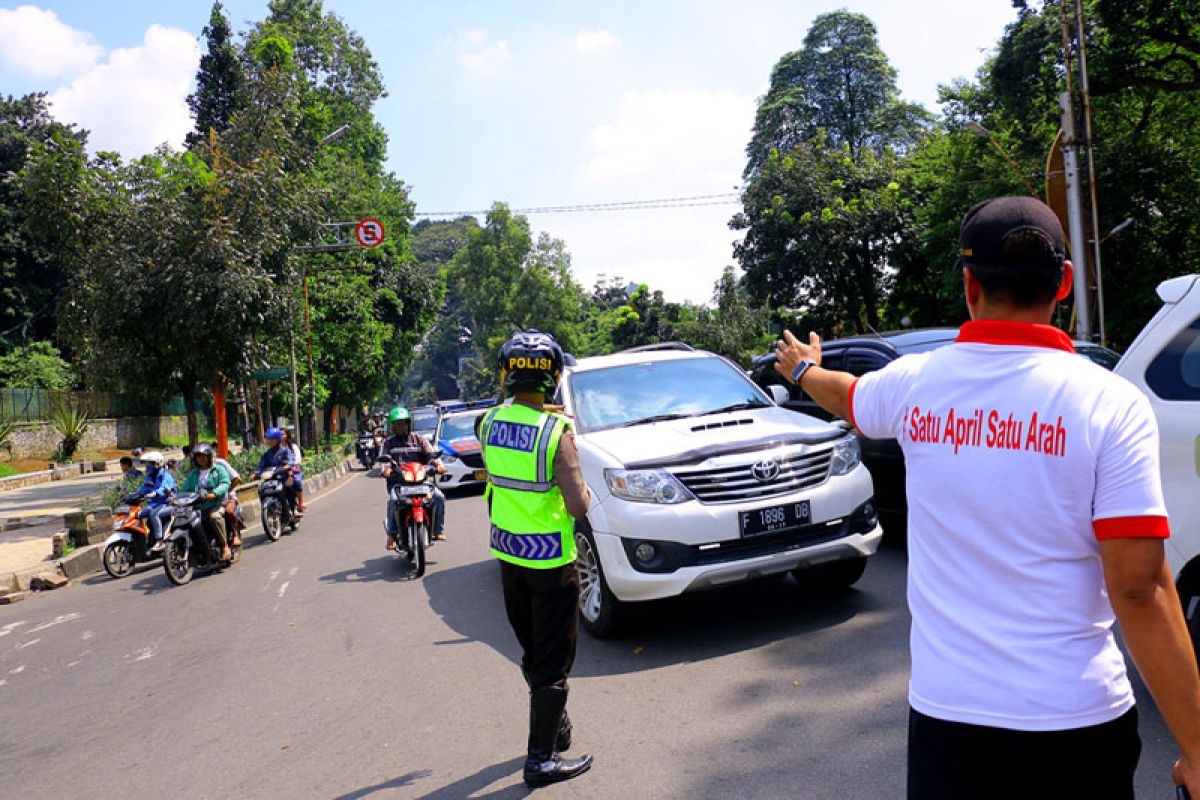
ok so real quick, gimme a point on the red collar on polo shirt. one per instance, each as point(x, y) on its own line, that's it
point(998, 331)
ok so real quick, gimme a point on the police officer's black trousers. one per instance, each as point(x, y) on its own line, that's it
point(542, 606)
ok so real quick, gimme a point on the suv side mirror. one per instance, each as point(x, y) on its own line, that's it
point(779, 394)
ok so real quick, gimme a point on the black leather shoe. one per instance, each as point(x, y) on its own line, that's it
point(543, 769)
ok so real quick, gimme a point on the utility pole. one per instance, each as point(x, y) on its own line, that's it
point(1079, 244)
point(1085, 98)
point(312, 380)
point(295, 389)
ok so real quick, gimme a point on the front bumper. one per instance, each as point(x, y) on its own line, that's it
point(458, 474)
point(701, 548)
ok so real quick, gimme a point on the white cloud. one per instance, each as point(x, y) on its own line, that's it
point(37, 43)
point(136, 99)
point(482, 55)
point(595, 41)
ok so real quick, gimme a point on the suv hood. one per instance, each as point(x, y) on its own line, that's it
point(691, 440)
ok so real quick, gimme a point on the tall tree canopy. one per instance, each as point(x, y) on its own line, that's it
point(219, 81)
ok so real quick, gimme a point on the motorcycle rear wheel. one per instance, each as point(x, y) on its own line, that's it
point(177, 563)
point(118, 559)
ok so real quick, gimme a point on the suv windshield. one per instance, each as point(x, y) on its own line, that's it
point(455, 427)
point(630, 395)
point(425, 422)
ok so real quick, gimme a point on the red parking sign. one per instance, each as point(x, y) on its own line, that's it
point(369, 232)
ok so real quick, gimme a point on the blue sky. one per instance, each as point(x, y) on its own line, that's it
point(534, 103)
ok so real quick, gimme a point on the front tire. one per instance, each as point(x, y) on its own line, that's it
point(273, 523)
point(601, 613)
point(177, 563)
point(118, 559)
point(417, 536)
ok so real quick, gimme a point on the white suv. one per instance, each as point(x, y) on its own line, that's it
point(1164, 362)
point(701, 480)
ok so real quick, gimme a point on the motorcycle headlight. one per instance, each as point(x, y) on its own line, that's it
point(846, 456)
point(646, 486)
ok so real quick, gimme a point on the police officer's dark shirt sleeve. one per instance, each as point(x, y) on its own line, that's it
point(569, 477)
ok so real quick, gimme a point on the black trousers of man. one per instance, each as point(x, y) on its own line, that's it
point(956, 761)
point(542, 606)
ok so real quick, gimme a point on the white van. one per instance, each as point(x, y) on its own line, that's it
point(702, 480)
point(1164, 362)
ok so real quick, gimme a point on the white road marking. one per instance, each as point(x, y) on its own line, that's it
point(270, 578)
point(23, 645)
point(17, 671)
point(87, 635)
point(3, 681)
point(147, 652)
point(12, 626)
point(284, 588)
point(292, 572)
point(59, 620)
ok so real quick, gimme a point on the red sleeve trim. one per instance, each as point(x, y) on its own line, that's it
point(853, 386)
point(1132, 528)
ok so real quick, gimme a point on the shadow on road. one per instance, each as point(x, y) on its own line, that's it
point(680, 630)
point(468, 786)
point(384, 568)
point(395, 783)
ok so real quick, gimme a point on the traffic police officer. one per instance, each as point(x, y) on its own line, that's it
point(535, 490)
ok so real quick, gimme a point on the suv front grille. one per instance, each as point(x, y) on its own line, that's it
point(473, 460)
point(731, 484)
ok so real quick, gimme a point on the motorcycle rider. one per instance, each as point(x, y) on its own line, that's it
point(417, 448)
point(535, 493)
point(213, 481)
point(276, 457)
point(156, 490)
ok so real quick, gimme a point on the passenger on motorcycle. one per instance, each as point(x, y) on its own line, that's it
point(290, 442)
point(156, 490)
point(211, 480)
point(233, 508)
point(413, 447)
point(275, 457)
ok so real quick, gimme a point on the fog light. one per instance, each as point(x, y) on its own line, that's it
point(645, 552)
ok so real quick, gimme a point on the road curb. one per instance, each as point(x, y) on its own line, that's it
point(86, 561)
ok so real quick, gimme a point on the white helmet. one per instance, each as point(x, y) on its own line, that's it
point(153, 457)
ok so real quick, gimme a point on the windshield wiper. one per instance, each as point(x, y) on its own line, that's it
point(733, 407)
point(656, 418)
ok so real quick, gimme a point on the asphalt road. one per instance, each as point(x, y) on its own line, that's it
point(313, 669)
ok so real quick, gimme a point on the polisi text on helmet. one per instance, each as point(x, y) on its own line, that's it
point(525, 362)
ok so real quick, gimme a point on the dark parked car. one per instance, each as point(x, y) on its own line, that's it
point(862, 354)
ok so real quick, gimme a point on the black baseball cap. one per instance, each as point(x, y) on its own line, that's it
point(1012, 232)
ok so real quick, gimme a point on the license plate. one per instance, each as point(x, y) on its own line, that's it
point(775, 519)
point(479, 475)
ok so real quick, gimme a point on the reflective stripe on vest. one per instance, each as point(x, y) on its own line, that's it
point(528, 546)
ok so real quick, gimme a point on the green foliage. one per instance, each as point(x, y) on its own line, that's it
point(72, 422)
point(32, 271)
point(7, 470)
point(218, 83)
point(37, 365)
point(8, 427)
point(839, 82)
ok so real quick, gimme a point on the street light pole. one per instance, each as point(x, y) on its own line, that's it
point(1079, 244)
point(312, 379)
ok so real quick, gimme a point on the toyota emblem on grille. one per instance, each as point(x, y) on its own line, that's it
point(765, 471)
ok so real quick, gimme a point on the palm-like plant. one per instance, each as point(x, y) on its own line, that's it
point(7, 426)
point(72, 422)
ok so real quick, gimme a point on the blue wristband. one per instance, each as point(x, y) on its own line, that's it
point(799, 371)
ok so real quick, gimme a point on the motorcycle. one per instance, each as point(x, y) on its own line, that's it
point(367, 446)
point(277, 511)
point(129, 544)
point(192, 546)
point(413, 495)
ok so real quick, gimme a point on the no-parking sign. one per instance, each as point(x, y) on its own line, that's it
point(369, 232)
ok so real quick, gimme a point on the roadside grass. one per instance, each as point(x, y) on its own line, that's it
point(6, 470)
point(179, 441)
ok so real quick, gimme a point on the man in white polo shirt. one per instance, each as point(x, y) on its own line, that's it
point(1036, 520)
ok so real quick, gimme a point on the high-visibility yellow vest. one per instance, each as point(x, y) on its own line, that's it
point(530, 523)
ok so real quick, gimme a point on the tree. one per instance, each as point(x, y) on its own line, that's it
point(734, 326)
point(32, 271)
point(219, 81)
point(839, 82)
point(822, 233)
point(37, 365)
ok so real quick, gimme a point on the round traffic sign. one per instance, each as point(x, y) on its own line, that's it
point(369, 232)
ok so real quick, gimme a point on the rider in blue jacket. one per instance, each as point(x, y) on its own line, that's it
point(275, 457)
point(156, 489)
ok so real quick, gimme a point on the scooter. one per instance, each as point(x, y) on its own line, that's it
point(129, 544)
point(191, 545)
point(367, 446)
point(277, 511)
point(413, 495)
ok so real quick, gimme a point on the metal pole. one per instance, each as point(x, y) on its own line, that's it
point(312, 381)
point(1083, 321)
point(295, 388)
point(1085, 99)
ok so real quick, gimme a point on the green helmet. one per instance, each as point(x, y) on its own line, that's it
point(398, 414)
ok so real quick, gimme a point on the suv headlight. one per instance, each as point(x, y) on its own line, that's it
point(646, 486)
point(846, 456)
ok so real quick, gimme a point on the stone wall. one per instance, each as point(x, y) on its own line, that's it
point(39, 439)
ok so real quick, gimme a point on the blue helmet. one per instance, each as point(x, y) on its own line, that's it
point(273, 433)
